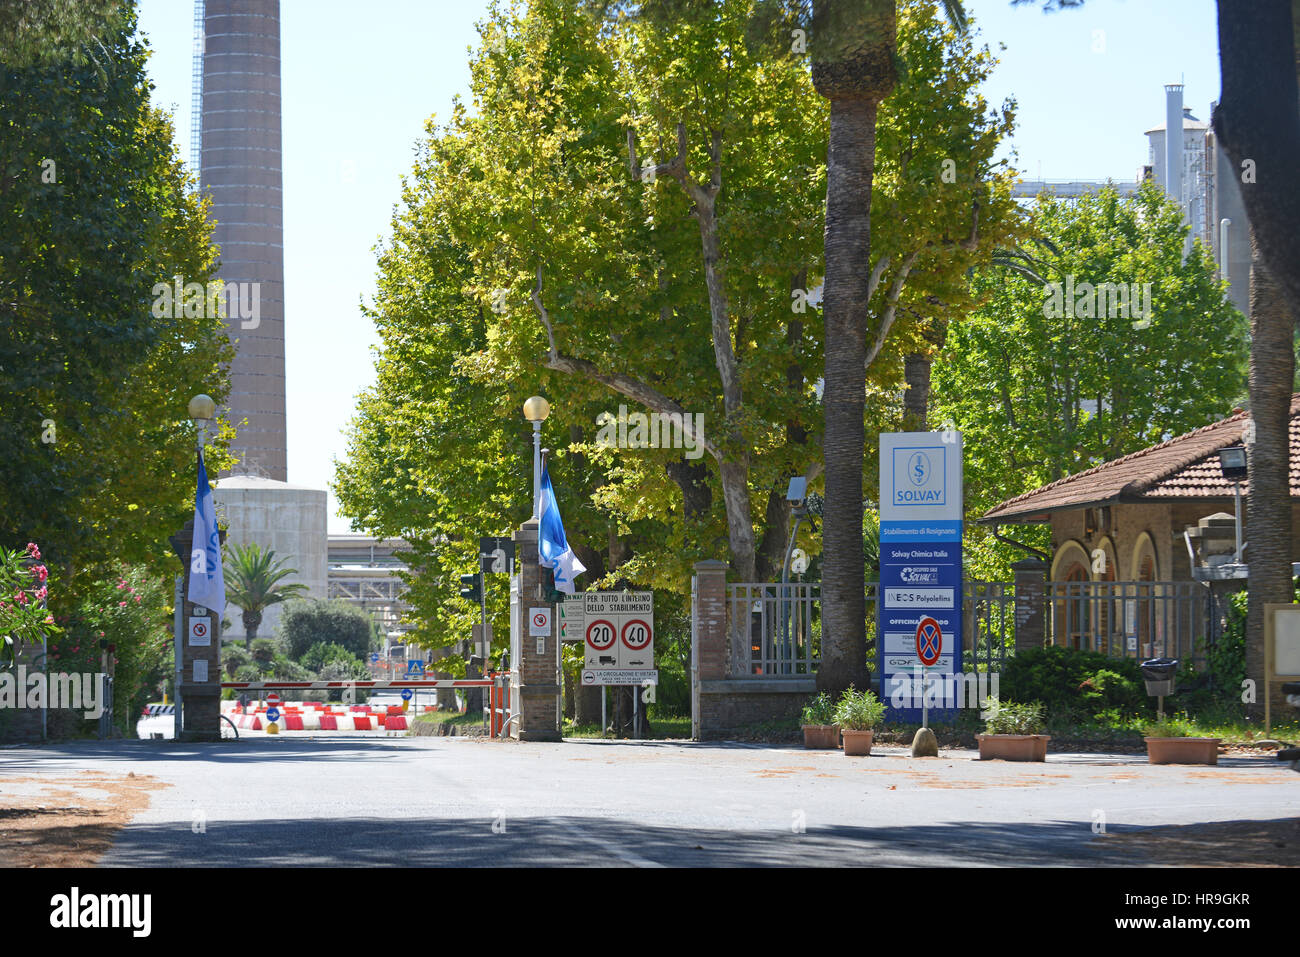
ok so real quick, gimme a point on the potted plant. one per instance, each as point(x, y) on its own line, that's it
point(1014, 732)
point(1173, 741)
point(857, 713)
point(818, 723)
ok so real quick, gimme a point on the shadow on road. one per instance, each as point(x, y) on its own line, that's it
point(38, 758)
point(588, 841)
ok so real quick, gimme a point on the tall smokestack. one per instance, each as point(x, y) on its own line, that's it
point(1174, 143)
point(241, 170)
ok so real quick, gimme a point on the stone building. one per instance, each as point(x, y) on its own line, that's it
point(1141, 544)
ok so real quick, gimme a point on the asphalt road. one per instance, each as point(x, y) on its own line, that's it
point(302, 801)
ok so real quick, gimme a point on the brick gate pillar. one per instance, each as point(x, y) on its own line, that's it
point(535, 667)
point(200, 689)
point(1031, 602)
point(709, 642)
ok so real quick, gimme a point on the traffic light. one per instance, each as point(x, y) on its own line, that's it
point(471, 587)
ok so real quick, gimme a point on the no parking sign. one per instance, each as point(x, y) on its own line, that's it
point(929, 641)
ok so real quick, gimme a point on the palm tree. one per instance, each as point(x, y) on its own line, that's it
point(1268, 504)
point(853, 46)
point(253, 581)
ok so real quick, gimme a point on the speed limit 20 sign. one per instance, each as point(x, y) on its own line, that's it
point(618, 631)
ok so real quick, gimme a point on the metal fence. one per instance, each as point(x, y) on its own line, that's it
point(989, 623)
point(1134, 619)
point(776, 628)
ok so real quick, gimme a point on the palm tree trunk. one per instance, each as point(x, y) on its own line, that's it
point(1268, 507)
point(916, 398)
point(850, 164)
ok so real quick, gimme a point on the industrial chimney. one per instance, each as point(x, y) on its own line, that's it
point(1174, 144)
point(240, 169)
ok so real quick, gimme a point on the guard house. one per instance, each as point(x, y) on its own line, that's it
point(1143, 546)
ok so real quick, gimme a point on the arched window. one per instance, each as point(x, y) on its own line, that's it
point(1076, 607)
point(1071, 595)
point(1107, 619)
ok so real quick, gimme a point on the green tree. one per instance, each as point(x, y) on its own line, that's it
point(305, 623)
point(43, 31)
point(96, 450)
point(925, 159)
point(1257, 123)
point(632, 216)
point(1043, 388)
point(254, 582)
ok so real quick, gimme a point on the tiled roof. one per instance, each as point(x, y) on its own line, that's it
point(1185, 467)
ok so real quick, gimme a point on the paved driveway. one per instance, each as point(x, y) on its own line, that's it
point(313, 801)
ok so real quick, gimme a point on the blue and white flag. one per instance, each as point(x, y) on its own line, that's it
point(552, 547)
point(207, 583)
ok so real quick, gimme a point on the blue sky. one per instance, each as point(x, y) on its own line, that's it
point(360, 80)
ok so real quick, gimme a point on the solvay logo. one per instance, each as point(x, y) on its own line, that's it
point(75, 910)
point(918, 468)
point(920, 475)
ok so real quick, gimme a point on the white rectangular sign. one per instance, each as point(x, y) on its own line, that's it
point(919, 597)
point(609, 676)
point(1286, 642)
point(200, 631)
point(200, 670)
point(920, 477)
point(618, 631)
point(571, 618)
point(539, 621)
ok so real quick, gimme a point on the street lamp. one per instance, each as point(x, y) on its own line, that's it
point(203, 411)
point(1232, 461)
point(536, 409)
point(796, 494)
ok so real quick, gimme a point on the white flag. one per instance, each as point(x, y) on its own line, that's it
point(207, 581)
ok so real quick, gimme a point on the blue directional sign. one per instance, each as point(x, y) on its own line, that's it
point(272, 714)
point(406, 694)
point(919, 605)
point(374, 657)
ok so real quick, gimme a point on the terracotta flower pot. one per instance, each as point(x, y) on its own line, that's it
point(856, 743)
point(821, 735)
point(1013, 747)
point(1182, 750)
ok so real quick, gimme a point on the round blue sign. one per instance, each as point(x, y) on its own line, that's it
point(272, 714)
point(406, 694)
point(374, 656)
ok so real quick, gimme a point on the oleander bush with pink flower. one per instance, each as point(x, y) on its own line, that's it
point(127, 614)
point(24, 594)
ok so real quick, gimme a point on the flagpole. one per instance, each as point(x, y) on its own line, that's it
point(537, 471)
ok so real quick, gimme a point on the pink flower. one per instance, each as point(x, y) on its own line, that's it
point(121, 585)
point(137, 599)
point(101, 634)
point(41, 572)
point(40, 593)
point(33, 550)
point(22, 597)
point(121, 604)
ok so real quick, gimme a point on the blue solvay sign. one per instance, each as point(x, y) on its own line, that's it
point(920, 560)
